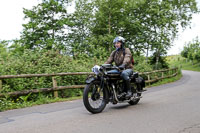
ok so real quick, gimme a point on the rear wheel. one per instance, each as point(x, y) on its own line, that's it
point(136, 100)
point(94, 97)
point(136, 95)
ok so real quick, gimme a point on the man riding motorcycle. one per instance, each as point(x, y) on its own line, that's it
point(122, 58)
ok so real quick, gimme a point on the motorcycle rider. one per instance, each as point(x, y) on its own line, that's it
point(122, 57)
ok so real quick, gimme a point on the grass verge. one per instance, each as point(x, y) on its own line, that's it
point(167, 80)
point(9, 104)
point(183, 63)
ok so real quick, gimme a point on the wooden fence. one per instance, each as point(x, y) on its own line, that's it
point(151, 77)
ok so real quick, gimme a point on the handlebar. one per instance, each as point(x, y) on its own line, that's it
point(109, 66)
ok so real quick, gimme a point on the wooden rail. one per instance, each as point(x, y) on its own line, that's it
point(55, 88)
point(44, 75)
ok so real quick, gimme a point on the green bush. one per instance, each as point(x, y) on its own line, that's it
point(32, 62)
point(141, 64)
point(38, 62)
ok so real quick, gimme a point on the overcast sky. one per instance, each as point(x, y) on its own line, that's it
point(11, 14)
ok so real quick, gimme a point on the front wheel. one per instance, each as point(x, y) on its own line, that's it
point(94, 97)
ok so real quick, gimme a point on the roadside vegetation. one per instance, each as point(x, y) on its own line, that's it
point(54, 40)
point(53, 62)
point(167, 80)
point(189, 59)
point(183, 63)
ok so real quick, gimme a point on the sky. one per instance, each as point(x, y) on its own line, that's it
point(11, 14)
point(11, 17)
point(186, 36)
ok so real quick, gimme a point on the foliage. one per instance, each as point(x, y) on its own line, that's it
point(54, 40)
point(192, 50)
point(141, 64)
point(147, 25)
point(158, 65)
point(36, 62)
point(43, 62)
point(183, 63)
point(80, 30)
point(185, 51)
point(168, 80)
point(46, 25)
point(3, 49)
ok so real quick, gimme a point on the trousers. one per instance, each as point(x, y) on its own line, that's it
point(126, 74)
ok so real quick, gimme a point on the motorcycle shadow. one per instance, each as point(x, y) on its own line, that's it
point(120, 106)
point(126, 106)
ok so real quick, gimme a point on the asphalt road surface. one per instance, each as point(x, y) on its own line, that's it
point(170, 108)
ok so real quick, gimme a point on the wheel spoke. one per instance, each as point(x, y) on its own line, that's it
point(95, 97)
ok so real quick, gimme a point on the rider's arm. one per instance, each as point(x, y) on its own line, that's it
point(127, 58)
point(110, 59)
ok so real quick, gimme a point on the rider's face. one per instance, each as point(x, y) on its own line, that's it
point(118, 44)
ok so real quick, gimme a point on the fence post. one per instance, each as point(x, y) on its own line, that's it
point(54, 85)
point(162, 75)
point(149, 79)
point(1, 86)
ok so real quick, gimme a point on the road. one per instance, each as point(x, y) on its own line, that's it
point(170, 108)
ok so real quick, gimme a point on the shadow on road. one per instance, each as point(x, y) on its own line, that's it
point(120, 106)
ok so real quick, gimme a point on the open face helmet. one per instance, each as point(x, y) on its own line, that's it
point(119, 39)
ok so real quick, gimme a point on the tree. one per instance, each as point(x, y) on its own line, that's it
point(185, 52)
point(192, 50)
point(3, 49)
point(158, 60)
point(146, 24)
point(15, 48)
point(47, 23)
point(80, 30)
point(169, 15)
point(109, 17)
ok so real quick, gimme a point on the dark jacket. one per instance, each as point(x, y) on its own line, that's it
point(121, 57)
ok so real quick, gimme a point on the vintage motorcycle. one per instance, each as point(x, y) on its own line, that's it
point(107, 86)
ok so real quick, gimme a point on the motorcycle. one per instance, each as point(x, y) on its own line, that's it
point(107, 86)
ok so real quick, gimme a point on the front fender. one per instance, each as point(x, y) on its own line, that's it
point(90, 79)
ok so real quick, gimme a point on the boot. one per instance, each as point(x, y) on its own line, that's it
point(128, 88)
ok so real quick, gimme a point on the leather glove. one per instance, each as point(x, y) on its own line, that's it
point(122, 66)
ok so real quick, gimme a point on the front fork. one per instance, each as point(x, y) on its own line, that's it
point(103, 86)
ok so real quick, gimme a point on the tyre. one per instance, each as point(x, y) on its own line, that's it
point(94, 97)
point(135, 101)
